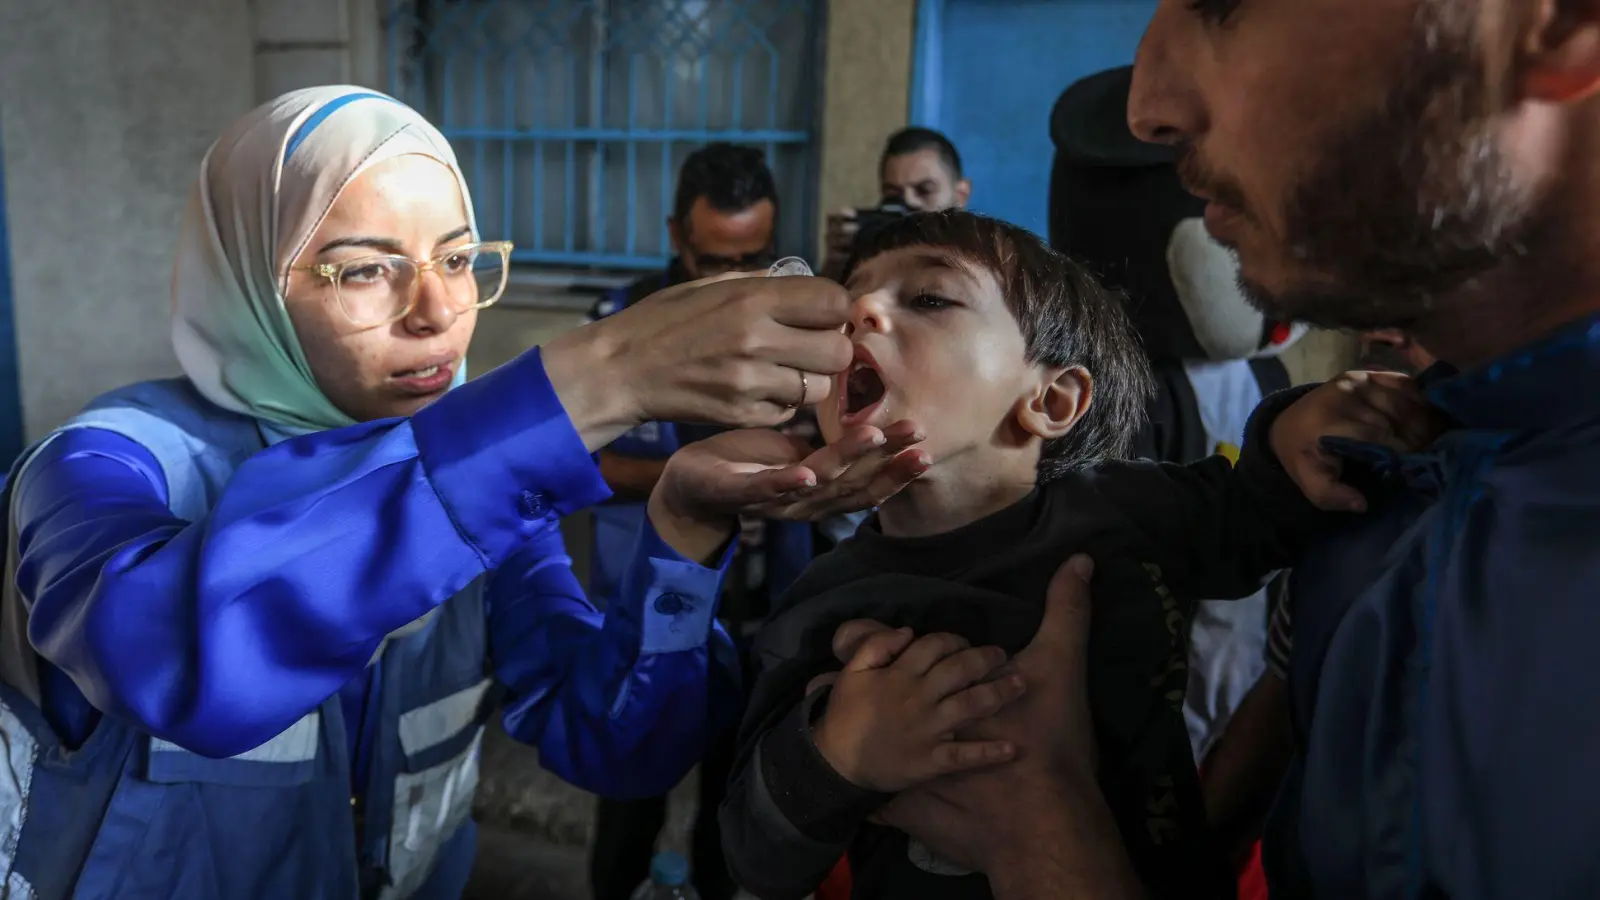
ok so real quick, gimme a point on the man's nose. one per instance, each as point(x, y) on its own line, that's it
point(1163, 107)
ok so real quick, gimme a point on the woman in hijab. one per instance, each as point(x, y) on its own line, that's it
point(255, 618)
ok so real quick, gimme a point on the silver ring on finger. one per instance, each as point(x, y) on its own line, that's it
point(805, 388)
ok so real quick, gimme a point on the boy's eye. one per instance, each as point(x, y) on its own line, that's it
point(930, 301)
point(1214, 11)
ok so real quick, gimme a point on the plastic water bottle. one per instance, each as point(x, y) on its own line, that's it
point(669, 880)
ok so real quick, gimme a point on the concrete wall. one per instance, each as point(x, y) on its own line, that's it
point(866, 96)
point(107, 109)
point(302, 43)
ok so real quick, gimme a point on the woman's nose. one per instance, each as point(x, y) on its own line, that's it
point(434, 310)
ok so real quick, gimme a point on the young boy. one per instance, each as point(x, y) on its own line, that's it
point(1029, 378)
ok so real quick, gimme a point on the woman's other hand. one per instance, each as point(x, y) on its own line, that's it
point(707, 485)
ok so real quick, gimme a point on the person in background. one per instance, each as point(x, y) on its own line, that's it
point(256, 617)
point(724, 220)
point(919, 170)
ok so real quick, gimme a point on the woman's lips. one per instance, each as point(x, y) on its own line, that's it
point(429, 379)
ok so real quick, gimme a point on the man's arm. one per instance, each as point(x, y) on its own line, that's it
point(1070, 848)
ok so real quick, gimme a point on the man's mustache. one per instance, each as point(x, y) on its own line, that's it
point(1202, 181)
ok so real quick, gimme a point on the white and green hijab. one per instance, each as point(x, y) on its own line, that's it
point(264, 188)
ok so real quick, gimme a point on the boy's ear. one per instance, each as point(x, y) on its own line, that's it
point(1063, 398)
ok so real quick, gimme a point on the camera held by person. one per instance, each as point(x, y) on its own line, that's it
point(919, 171)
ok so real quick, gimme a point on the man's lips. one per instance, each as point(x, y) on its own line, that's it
point(1220, 219)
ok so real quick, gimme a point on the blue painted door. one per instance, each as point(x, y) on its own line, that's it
point(987, 73)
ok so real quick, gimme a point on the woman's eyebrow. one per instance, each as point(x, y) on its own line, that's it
point(389, 244)
point(449, 236)
point(386, 244)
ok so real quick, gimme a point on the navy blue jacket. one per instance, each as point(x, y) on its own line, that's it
point(1443, 687)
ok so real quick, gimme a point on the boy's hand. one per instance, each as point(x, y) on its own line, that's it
point(1375, 407)
point(887, 728)
point(978, 819)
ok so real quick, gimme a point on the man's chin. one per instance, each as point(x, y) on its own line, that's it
point(1323, 304)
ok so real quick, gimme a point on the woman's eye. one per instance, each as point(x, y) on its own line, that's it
point(456, 263)
point(1214, 11)
point(365, 274)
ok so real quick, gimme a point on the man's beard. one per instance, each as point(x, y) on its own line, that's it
point(1381, 357)
point(1411, 203)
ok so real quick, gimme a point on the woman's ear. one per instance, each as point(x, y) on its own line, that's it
point(1063, 397)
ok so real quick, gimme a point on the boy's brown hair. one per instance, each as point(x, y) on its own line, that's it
point(1066, 316)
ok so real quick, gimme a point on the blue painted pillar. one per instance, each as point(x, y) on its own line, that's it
point(10, 381)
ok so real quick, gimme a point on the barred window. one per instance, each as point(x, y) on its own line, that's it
point(572, 117)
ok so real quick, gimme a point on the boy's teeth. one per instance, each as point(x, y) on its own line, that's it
point(424, 373)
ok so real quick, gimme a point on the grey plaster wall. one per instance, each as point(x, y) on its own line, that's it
point(106, 107)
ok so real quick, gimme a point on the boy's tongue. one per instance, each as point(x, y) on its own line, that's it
point(863, 388)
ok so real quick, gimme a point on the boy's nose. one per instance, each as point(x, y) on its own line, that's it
point(870, 313)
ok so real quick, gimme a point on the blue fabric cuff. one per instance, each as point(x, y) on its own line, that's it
point(504, 458)
point(676, 598)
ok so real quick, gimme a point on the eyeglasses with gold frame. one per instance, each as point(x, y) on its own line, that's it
point(383, 288)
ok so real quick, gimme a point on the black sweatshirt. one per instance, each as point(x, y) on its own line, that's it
point(1162, 537)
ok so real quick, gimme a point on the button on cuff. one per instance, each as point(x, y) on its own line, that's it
point(672, 604)
point(533, 505)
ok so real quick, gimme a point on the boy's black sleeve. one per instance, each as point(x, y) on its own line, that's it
point(788, 817)
point(1218, 529)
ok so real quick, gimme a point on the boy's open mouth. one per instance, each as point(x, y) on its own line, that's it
point(863, 388)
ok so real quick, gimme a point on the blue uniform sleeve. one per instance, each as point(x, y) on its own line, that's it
point(652, 440)
point(217, 634)
point(624, 704)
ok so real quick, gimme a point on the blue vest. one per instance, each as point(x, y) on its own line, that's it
point(128, 815)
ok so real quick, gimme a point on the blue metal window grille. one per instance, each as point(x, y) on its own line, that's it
point(572, 117)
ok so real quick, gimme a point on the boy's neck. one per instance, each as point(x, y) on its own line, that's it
point(947, 498)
